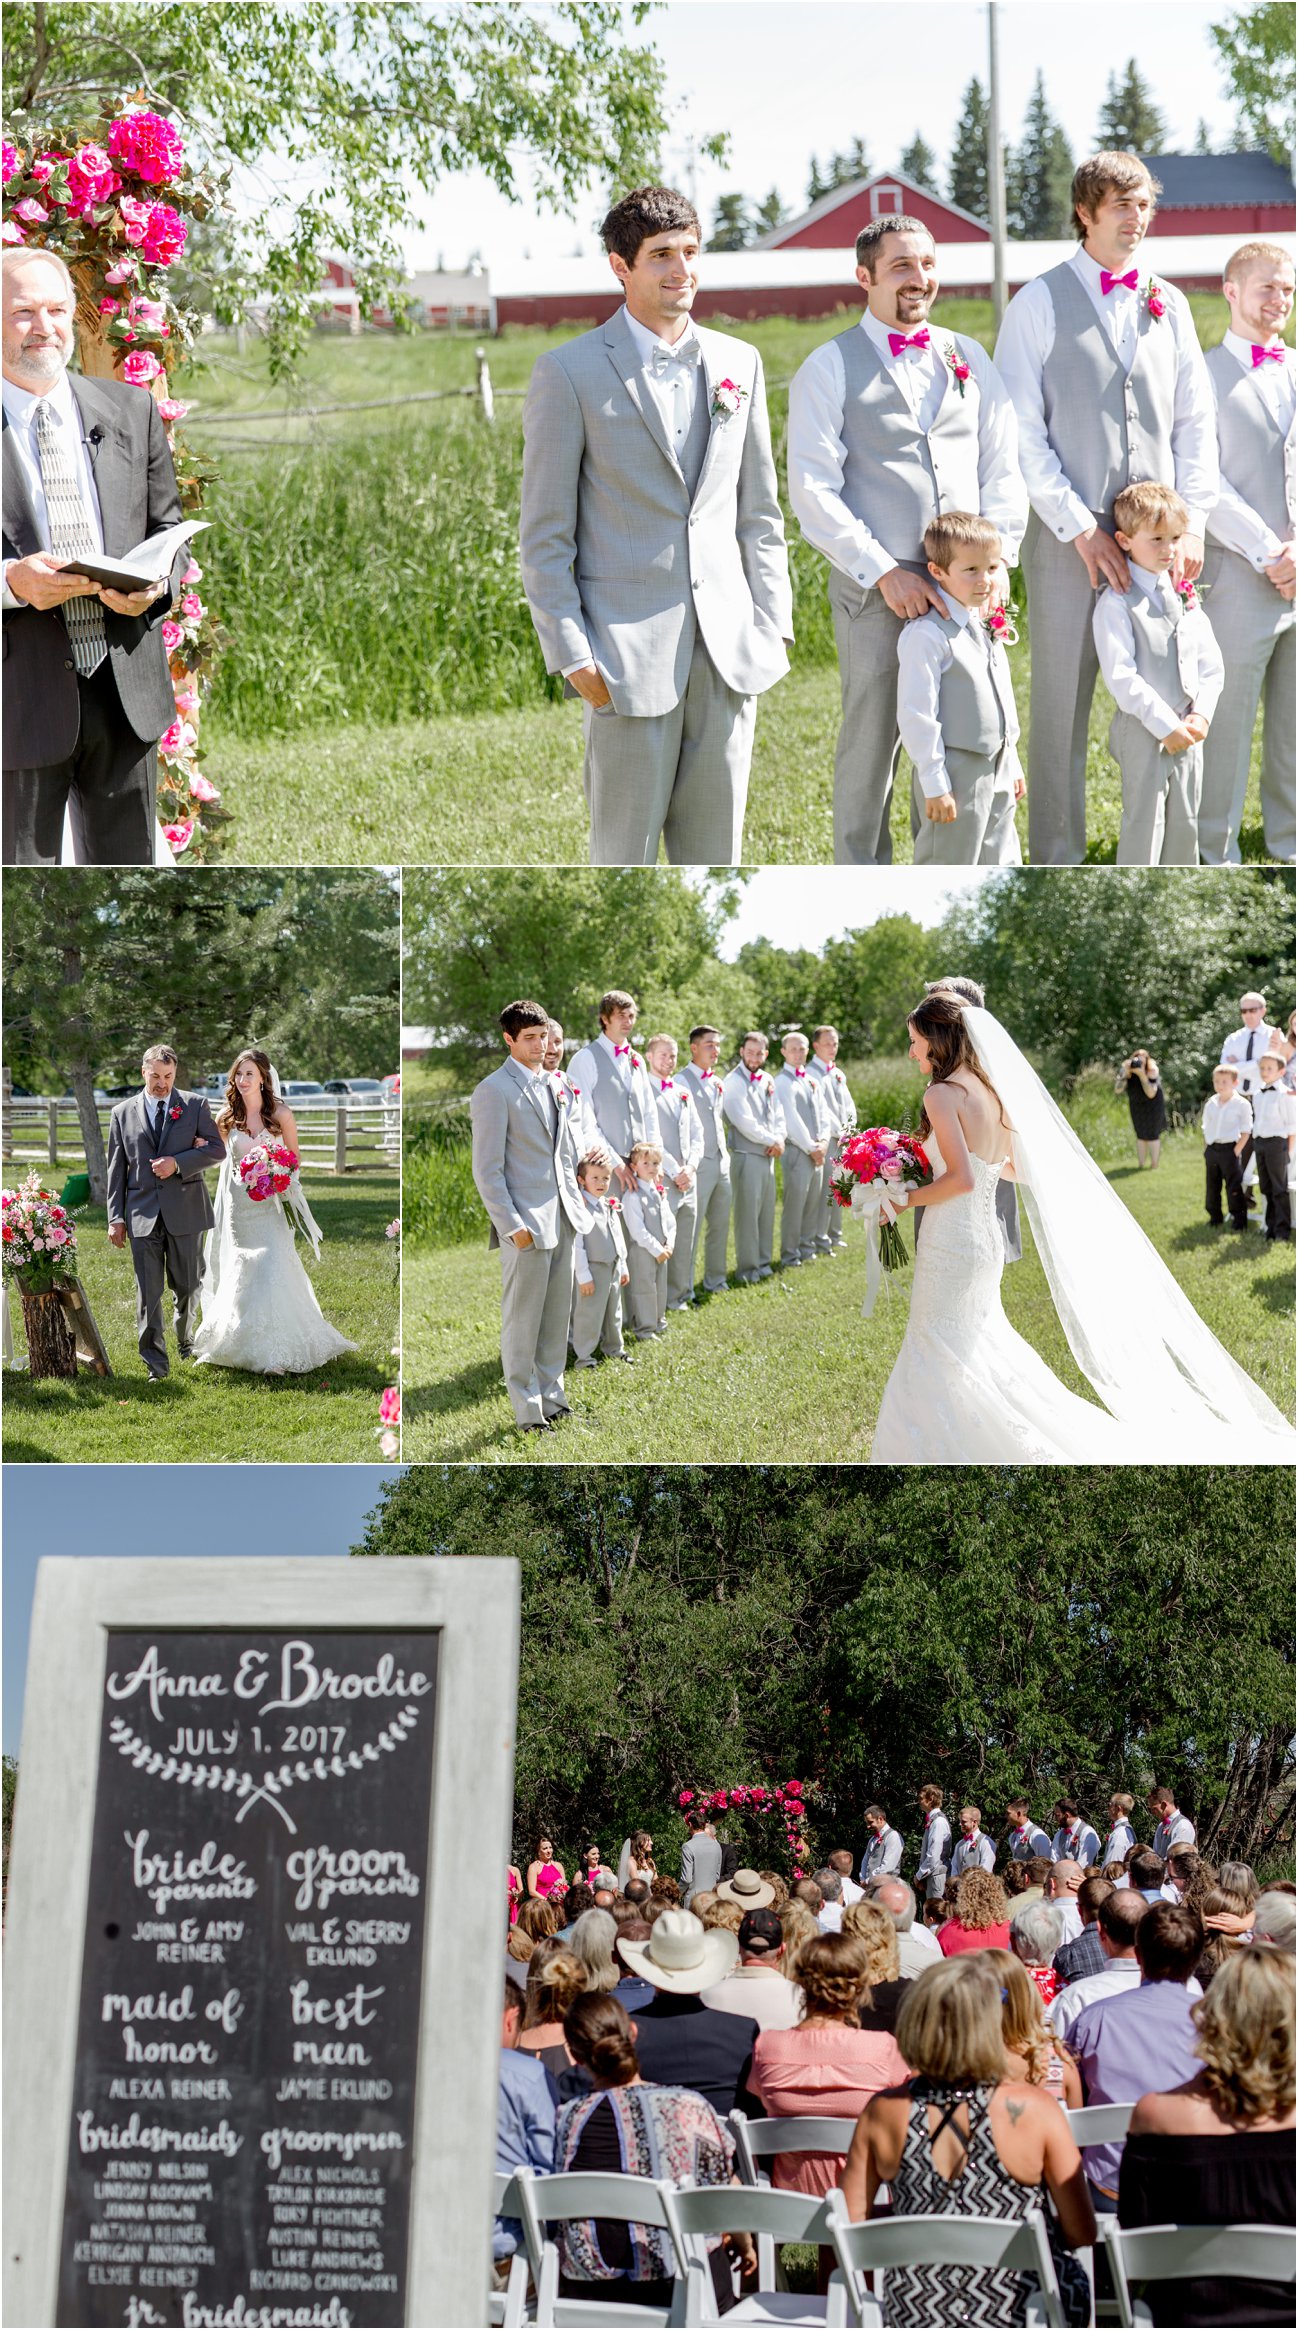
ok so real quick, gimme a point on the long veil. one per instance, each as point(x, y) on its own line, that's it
point(1135, 1336)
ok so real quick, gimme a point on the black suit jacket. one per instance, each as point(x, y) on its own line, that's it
point(135, 480)
point(683, 2043)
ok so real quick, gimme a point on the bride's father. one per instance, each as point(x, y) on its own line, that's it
point(653, 548)
point(160, 1144)
point(890, 423)
point(87, 691)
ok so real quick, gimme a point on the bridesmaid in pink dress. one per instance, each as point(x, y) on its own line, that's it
point(544, 1874)
point(514, 1888)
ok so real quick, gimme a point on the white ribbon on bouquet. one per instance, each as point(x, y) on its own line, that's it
point(871, 1202)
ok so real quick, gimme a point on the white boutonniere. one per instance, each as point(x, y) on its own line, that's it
point(727, 397)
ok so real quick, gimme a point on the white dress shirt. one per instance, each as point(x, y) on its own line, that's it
point(739, 1112)
point(20, 409)
point(637, 1229)
point(1275, 1112)
point(1026, 338)
point(1116, 648)
point(923, 654)
point(1231, 522)
point(817, 452)
point(581, 1116)
point(1243, 1049)
point(1227, 1120)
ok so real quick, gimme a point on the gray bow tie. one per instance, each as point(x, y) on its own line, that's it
point(685, 353)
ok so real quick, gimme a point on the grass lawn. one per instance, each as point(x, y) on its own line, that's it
point(790, 1371)
point(214, 1415)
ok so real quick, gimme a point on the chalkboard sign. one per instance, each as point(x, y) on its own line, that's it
point(248, 2036)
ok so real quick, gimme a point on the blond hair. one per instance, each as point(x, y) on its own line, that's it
point(954, 530)
point(832, 1972)
point(1023, 2022)
point(798, 1927)
point(949, 2026)
point(726, 1914)
point(1145, 503)
point(646, 1149)
point(875, 1930)
point(980, 1900)
point(1250, 255)
point(1246, 2035)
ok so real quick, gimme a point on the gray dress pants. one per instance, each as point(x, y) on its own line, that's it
point(801, 1206)
point(1255, 629)
point(597, 1318)
point(680, 1269)
point(711, 1224)
point(1065, 668)
point(753, 1182)
point(679, 777)
point(162, 1259)
point(1160, 797)
point(536, 1304)
point(865, 759)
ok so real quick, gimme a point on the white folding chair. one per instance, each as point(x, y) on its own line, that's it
point(1099, 2123)
point(1186, 2252)
point(699, 2211)
point(507, 2308)
point(632, 2200)
point(757, 2141)
point(1007, 2245)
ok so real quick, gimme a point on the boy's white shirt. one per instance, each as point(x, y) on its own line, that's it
point(923, 655)
point(1116, 648)
point(1226, 1120)
point(633, 1214)
point(1285, 1107)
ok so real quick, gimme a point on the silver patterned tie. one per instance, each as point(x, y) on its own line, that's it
point(70, 537)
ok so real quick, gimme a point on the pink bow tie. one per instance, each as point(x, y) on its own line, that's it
point(1267, 356)
point(619, 1049)
point(664, 1084)
point(704, 1074)
point(1110, 283)
point(755, 1075)
point(898, 340)
point(799, 1071)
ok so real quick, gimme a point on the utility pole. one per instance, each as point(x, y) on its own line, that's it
point(995, 167)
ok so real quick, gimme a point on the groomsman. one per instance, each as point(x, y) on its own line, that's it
point(525, 1168)
point(1024, 1840)
point(680, 1133)
point(807, 1125)
point(1250, 566)
point(1074, 1838)
point(935, 1854)
point(756, 1131)
point(891, 423)
point(653, 549)
point(712, 1204)
point(833, 1088)
point(1109, 385)
point(1174, 1826)
point(974, 1850)
point(882, 1855)
point(585, 1131)
point(613, 1079)
point(1122, 1836)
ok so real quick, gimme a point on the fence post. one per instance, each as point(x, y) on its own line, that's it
point(54, 1132)
point(340, 1139)
point(485, 392)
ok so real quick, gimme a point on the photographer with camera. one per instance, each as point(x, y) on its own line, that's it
point(1139, 1078)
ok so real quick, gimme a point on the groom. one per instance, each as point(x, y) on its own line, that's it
point(653, 548)
point(160, 1144)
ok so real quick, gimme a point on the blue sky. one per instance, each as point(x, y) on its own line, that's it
point(109, 1510)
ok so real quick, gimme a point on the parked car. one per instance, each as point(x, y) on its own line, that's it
point(355, 1087)
point(303, 1091)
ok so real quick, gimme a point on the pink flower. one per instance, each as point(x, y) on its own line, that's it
point(12, 232)
point(187, 702)
point(1154, 300)
point(109, 307)
point(172, 408)
point(202, 788)
point(150, 315)
point(177, 740)
point(393, 1229)
point(685, 1797)
point(193, 572)
point(44, 166)
point(191, 607)
point(148, 146)
point(164, 236)
point(31, 212)
point(123, 272)
point(92, 180)
point(179, 836)
point(387, 1444)
point(172, 638)
point(135, 218)
point(390, 1406)
point(9, 166)
point(140, 368)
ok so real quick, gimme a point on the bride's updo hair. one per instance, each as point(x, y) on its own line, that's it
point(233, 1117)
point(940, 1020)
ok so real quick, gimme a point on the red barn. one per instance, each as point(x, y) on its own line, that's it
point(833, 223)
point(1243, 195)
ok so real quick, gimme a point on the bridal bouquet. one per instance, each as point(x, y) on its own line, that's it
point(874, 1168)
point(40, 1243)
point(267, 1170)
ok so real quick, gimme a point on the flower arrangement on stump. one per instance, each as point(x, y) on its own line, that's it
point(40, 1256)
point(786, 1801)
point(112, 196)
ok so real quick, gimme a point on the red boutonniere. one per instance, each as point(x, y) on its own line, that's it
point(660, 1186)
point(1186, 592)
point(1154, 300)
point(173, 1113)
point(613, 1206)
point(958, 368)
point(1000, 627)
point(727, 398)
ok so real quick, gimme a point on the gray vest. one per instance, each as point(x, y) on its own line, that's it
point(763, 1103)
point(974, 686)
point(601, 1243)
point(708, 1096)
point(799, 1094)
point(621, 1114)
point(1165, 658)
point(897, 478)
point(656, 1211)
point(1257, 458)
point(1108, 427)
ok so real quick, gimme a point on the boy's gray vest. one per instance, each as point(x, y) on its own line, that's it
point(763, 1103)
point(656, 1211)
point(707, 1093)
point(801, 1094)
point(1165, 655)
point(974, 690)
point(1108, 427)
point(623, 1116)
point(601, 1241)
point(1257, 458)
point(896, 477)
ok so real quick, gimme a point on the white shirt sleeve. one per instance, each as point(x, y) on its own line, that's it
point(1002, 495)
point(1197, 472)
point(817, 455)
point(739, 1113)
point(923, 654)
point(1116, 649)
point(1026, 337)
point(1236, 527)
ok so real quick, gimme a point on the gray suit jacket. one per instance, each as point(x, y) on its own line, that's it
point(526, 1175)
point(700, 1866)
point(135, 1194)
point(136, 485)
point(621, 565)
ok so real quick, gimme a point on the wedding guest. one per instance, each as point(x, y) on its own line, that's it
point(525, 2116)
point(712, 1201)
point(1139, 1078)
point(973, 1849)
point(1063, 1882)
point(525, 1171)
point(1109, 386)
point(759, 1986)
point(1084, 1954)
point(828, 2067)
point(591, 1942)
point(555, 1979)
point(1220, 2150)
point(824, 1070)
point(1275, 1118)
point(868, 1923)
point(1033, 1877)
point(1249, 567)
point(680, 1130)
point(1244, 1046)
point(615, 1082)
point(1227, 1130)
point(756, 1133)
point(653, 553)
point(1163, 669)
point(87, 474)
point(1289, 1046)
point(1032, 2052)
point(1227, 1916)
point(1119, 1921)
point(955, 704)
point(981, 1921)
point(651, 1235)
point(935, 1853)
point(1275, 1919)
point(799, 1925)
point(681, 2041)
point(891, 423)
point(807, 1129)
point(1036, 1932)
point(917, 1947)
point(600, 1269)
point(1074, 1838)
point(1024, 1841)
point(830, 1887)
point(1144, 1871)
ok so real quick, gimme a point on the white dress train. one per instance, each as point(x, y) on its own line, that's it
point(259, 1310)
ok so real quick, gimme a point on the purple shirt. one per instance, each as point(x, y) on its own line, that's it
point(1133, 2043)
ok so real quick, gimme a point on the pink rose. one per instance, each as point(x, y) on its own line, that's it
point(191, 607)
point(44, 166)
point(9, 167)
point(109, 307)
point(31, 212)
point(123, 272)
point(187, 702)
point(172, 408)
point(202, 788)
point(149, 314)
point(176, 740)
point(179, 836)
point(193, 572)
point(135, 217)
point(165, 235)
point(387, 1444)
point(148, 146)
point(172, 636)
point(140, 368)
point(686, 1797)
point(390, 1406)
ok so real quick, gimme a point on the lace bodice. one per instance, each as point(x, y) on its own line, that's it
point(259, 1307)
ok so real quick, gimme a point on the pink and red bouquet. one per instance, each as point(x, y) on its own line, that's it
point(267, 1170)
point(884, 1163)
point(39, 1240)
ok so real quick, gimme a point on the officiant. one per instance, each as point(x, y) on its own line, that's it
point(87, 472)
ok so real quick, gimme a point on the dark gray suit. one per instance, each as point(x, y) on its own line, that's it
point(91, 740)
point(166, 1220)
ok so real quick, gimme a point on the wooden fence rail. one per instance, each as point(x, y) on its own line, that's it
point(334, 1135)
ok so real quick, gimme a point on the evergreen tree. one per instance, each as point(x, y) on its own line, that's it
point(732, 226)
point(1203, 138)
point(816, 185)
point(1041, 174)
point(968, 171)
point(770, 213)
point(1130, 122)
point(920, 163)
point(856, 162)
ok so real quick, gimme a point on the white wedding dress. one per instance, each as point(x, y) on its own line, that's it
point(259, 1309)
point(967, 1388)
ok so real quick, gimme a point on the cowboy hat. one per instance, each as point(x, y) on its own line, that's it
point(680, 1955)
point(747, 1889)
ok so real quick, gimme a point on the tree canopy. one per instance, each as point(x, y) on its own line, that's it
point(1256, 49)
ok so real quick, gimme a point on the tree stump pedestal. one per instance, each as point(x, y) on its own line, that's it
point(51, 1346)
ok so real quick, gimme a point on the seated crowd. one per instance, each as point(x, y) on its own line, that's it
point(634, 2026)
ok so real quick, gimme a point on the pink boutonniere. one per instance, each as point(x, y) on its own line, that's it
point(1186, 592)
point(173, 1113)
point(1154, 300)
point(660, 1186)
point(958, 368)
point(1000, 627)
point(613, 1206)
point(727, 397)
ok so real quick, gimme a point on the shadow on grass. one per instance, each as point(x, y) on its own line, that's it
point(1275, 1294)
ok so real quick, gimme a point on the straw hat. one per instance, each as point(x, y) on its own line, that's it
point(747, 1889)
point(679, 1955)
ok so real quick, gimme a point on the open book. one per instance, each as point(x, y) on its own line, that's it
point(134, 570)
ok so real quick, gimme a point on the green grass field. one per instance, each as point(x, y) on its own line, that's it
point(789, 1371)
point(215, 1415)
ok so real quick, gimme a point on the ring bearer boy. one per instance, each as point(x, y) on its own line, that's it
point(1275, 1117)
point(955, 704)
point(712, 1201)
point(680, 1129)
point(599, 1267)
point(823, 1069)
point(650, 1238)
point(756, 1134)
point(808, 1126)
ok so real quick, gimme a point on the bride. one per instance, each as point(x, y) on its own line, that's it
point(259, 1310)
point(966, 1388)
